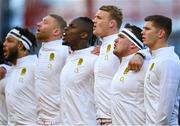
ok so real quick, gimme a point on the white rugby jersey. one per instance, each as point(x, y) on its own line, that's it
point(51, 59)
point(3, 109)
point(77, 85)
point(105, 68)
point(162, 87)
point(20, 92)
point(127, 95)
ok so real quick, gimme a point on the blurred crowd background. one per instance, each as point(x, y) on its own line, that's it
point(28, 12)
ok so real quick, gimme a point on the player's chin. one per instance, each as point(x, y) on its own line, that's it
point(115, 51)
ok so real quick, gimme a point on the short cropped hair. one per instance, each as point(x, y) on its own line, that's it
point(161, 21)
point(61, 22)
point(114, 12)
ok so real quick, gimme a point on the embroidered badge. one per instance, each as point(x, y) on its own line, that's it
point(121, 79)
point(152, 66)
point(106, 57)
point(108, 48)
point(51, 56)
point(148, 77)
point(80, 62)
point(23, 71)
point(126, 71)
point(50, 66)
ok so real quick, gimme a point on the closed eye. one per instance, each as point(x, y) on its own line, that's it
point(121, 36)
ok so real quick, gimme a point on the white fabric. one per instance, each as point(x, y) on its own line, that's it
point(162, 87)
point(3, 108)
point(20, 92)
point(105, 68)
point(127, 95)
point(77, 85)
point(52, 56)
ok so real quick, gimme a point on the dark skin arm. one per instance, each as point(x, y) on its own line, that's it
point(2, 72)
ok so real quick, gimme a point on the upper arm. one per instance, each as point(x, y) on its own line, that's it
point(2, 72)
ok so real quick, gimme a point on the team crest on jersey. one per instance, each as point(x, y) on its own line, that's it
point(126, 71)
point(121, 79)
point(148, 77)
point(80, 61)
point(50, 66)
point(152, 66)
point(51, 56)
point(108, 48)
point(23, 71)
